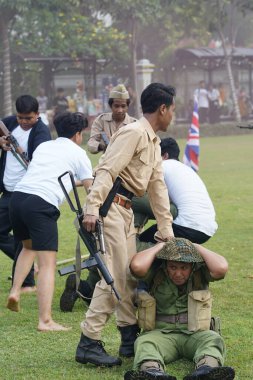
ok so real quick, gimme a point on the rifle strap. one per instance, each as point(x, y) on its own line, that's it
point(78, 257)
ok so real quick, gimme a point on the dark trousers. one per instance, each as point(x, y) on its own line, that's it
point(8, 244)
point(203, 113)
point(179, 231)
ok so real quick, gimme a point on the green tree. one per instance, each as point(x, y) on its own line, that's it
point(9, 13)
point(225, 18)
point(54, 28)
point(132, 16)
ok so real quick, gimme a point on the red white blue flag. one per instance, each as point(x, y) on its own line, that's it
point(191, 153)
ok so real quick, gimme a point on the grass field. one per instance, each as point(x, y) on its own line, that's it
point(226, 166)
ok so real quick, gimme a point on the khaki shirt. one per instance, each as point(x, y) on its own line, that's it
point(104, 123)
point(134, 154)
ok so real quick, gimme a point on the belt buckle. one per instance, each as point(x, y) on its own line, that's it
point(117, 199)
point(128, 204)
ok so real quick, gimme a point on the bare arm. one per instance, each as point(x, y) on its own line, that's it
point(87, 183)
point(216, 264)
point(142, 261)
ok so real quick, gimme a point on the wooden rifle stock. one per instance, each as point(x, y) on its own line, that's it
point(16, 149)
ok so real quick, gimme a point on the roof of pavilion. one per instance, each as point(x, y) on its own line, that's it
point(211, 58)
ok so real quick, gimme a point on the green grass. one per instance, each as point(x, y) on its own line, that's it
point(226, 166)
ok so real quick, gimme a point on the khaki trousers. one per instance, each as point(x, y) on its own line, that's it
point(120, 245)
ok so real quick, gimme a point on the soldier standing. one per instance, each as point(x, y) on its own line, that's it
point(134, 156)
point(108, 123)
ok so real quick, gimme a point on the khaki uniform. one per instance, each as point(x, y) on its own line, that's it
point(105, 123)
point(134, 155)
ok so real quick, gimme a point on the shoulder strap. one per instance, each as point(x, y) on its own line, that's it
point(157, 280)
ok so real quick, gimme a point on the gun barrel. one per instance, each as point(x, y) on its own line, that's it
point(245, 126)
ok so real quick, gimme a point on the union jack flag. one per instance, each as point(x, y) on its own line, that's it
point(191, 153)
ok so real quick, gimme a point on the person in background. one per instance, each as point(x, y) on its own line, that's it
point(80, 98)
point(34, 210)
point(29, 130)
point(106, 124)
point(60, 102)
point(43, 102)
point(201, 95)
point(214, 104)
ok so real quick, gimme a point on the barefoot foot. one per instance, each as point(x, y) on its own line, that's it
point(52, 326)
point(13, 304)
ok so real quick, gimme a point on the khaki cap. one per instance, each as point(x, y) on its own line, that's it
point(119, 92)
point(179, 249)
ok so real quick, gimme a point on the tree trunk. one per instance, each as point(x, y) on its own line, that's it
point(232, 87)
point(7, 107)
point(134, 74)
point(228, 58)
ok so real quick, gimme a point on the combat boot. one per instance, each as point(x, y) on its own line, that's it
point(69, 295)
point(128, 337)
point(92, 351)
point(206, 372)
point(149, 370)
point(150, 374)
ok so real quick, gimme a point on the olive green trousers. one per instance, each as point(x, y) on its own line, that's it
point(167, 346)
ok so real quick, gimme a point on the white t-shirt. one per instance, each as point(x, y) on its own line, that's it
point(50, 160)
point(202, 96)
point(14, 171)
point(188, 192)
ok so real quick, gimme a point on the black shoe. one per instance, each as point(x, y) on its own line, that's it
point(86, 291)
point(206, 372)
point(69, 295)
point(128, 337)
point(150, 374)
point(92, 351)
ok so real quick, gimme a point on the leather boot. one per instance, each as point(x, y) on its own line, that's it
point(150, 374)
point(92, 351)
point(128, 337)
point(206, 372)
point(69, 295)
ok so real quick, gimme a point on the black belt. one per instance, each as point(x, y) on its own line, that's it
point(122, 191)
point(178, 318)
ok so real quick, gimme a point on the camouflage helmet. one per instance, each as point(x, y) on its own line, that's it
point(179, 249)
point(119, 92)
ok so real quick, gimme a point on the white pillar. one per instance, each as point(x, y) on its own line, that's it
point(144, 70)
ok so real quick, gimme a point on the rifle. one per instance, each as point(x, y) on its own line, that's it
point(89, 239)
point(16, 149)
point(245, 126)
point(105, 138)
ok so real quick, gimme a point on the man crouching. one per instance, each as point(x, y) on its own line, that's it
point(177, 274)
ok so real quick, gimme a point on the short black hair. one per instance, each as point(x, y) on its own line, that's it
point(27, 104)
point(170, 146)
point(67, 124)
point(156, 94)
point(110, 101)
